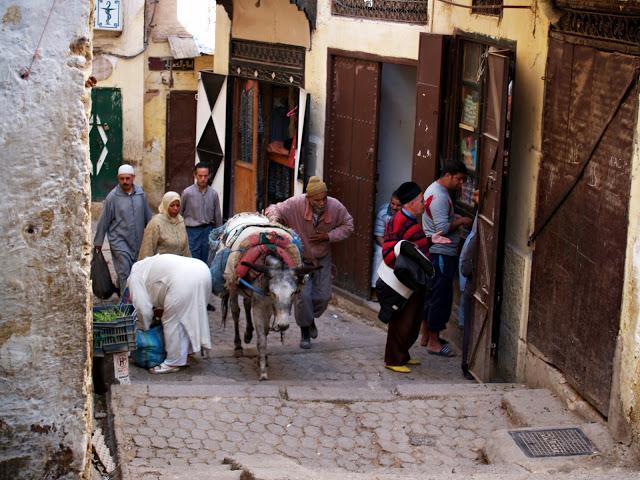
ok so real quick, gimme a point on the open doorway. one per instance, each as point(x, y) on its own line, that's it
point(395, 137)
point(264, 143)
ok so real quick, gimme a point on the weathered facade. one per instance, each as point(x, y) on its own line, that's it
point(45, 356)
point(527, 119)
point(149, 73)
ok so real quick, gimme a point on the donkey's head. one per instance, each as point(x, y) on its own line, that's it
point(280, 285)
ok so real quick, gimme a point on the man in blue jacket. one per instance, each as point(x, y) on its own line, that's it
point(125, 213)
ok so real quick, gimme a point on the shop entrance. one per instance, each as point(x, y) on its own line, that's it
point(264, 145)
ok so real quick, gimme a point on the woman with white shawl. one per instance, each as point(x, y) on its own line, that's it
point(180, 286)
point(166, 232)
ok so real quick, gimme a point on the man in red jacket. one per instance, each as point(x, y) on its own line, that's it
point(320, 220)
point(405, 325)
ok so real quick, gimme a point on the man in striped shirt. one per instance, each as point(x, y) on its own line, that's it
point(404, 327)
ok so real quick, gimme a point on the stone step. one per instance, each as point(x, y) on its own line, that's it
point(209, 472)
point(538, 408)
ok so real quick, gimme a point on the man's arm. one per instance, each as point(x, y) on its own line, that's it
point(278, 212)
point(344, 228)
point(103, 223)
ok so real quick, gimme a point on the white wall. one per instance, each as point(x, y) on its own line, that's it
point(395, 128)
point(46, 412)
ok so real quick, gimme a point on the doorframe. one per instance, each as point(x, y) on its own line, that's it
point(357, 55)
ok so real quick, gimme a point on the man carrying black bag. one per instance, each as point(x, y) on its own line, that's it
point(101, 281)
point(402, 302)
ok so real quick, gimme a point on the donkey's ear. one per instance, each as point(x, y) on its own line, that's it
point(256, 267)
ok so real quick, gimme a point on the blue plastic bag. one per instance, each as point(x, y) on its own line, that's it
point(149, 350)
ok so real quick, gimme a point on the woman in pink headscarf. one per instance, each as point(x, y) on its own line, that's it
point(166, 232)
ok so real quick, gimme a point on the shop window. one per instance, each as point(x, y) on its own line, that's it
point(410, 11)
point(487, 7)
point(468, 125)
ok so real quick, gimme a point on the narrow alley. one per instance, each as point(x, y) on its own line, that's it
point(335, 412)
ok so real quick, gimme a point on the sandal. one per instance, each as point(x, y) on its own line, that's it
point(445, 351)
point(163, 368)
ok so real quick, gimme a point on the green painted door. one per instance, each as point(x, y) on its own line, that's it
point(105, 140)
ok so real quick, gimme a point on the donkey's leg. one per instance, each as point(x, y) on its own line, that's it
point(248, 332)
point(235, 313)
point(262, 319)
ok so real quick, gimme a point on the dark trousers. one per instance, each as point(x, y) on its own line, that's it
point(199, 241)
point(438, 306)
point(403, 331)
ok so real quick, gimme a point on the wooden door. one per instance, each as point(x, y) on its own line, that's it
point(428, 112)
point(350, 165)
point(181, 140)
point(493, 163)
point(245, 160)
point(105, 140)
point(578, 263)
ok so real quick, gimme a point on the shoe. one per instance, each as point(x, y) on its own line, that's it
point(445, 351)
point(313, 330)
point(413, 361)
point(398, 368)
point(164, 368)
point(210, 308)
point(305, 343)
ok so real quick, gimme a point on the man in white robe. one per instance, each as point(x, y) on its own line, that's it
point(180, 286)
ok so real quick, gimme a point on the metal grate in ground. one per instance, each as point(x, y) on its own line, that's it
point(554, 442)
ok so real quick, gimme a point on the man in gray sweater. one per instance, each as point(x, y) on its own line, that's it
point(439, 217)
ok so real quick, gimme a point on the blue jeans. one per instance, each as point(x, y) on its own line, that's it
point(438, 305)
point(199, 241)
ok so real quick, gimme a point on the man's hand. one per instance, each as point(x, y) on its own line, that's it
point(319, 237)
point(98, 247)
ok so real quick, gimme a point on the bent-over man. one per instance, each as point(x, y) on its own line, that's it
point(320, 220)
point(125, 213)
point(404, 327)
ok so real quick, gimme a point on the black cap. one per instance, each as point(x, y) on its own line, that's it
point(408, 191)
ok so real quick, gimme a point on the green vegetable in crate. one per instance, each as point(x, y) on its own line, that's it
point(108, 316)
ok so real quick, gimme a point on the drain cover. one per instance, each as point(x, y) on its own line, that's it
point(555, 442)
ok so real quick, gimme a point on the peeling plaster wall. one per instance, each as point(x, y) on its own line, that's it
point(629, 386)
point(127, 55)
point(157, 88)
point(45, 361)
point(274, 21)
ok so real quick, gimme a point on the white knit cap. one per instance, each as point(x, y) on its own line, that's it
point(125, 170)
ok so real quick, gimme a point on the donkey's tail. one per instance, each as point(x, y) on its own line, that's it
point(224, 301)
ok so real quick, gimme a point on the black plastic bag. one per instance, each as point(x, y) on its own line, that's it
point(101, 281)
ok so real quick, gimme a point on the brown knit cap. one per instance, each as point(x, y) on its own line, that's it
point(316, 186)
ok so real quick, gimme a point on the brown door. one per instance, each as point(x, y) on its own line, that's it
point(245, 148)
point(350, 166)
point(428, 113)
point(578, 261)
point(493, 160)
point(181, 140)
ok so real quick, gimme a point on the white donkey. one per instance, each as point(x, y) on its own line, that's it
point(267, 302)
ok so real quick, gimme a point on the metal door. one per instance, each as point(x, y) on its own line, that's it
point(350, 166)
point(181, 140)
point(578, 262)
point(105, 140)
point(493, 160)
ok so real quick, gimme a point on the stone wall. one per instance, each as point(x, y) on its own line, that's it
point(45, 360)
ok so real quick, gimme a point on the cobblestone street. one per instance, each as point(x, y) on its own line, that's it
point(330, 412)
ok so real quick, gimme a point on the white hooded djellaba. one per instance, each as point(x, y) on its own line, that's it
point(180, 286)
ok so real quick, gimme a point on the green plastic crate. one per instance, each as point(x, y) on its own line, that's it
point(116, 336)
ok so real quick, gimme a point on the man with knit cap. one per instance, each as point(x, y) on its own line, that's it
point(404, 326)
point(319, 220)
point(125, 213)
